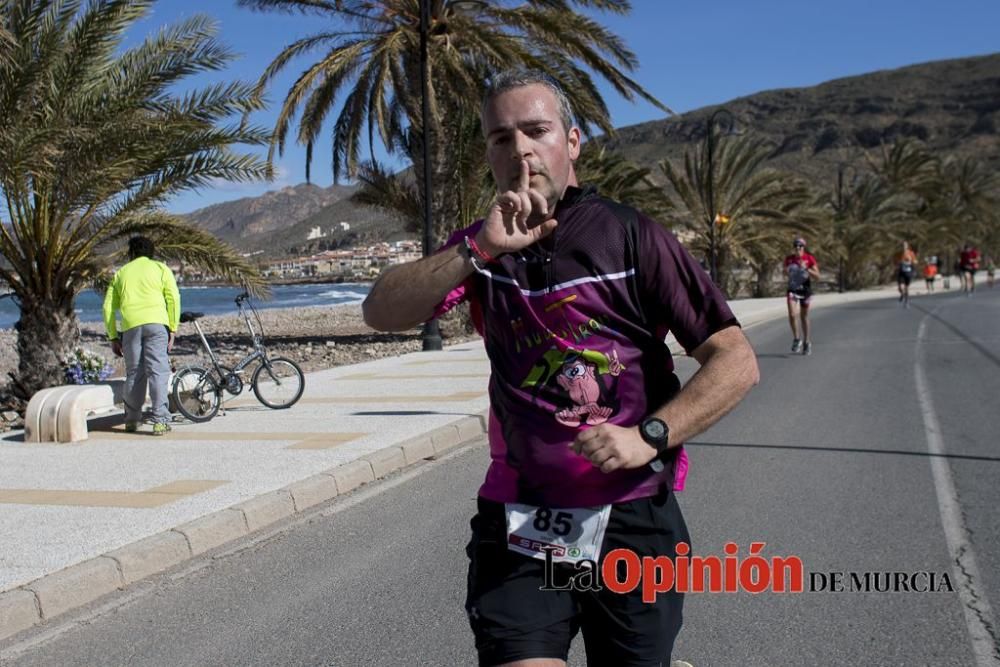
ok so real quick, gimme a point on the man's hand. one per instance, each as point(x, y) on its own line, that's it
point(517, 218)
point(116, 347)
point(170, 341)
point(611, 447)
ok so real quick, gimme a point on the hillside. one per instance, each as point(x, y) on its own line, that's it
point(278, 223)
point(953, 106)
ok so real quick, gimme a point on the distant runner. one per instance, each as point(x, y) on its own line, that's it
point(930, 273)
point(969, 264)
point(906, 267)
point(800, 267)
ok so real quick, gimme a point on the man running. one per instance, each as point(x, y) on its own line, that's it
point(573, 294)
point(801, 268)
point(969, 263)
point(930, 273)
point(906, 266)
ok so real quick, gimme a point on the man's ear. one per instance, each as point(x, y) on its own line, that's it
point(573, 139)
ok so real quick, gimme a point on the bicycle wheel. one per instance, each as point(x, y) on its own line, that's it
point(278, 383)
point(196, 394)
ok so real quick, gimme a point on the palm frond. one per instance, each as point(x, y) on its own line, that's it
point(95, 139)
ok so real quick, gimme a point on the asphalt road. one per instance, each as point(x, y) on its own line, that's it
point(829, 460)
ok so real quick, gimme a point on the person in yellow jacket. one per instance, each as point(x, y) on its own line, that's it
point(145, 292)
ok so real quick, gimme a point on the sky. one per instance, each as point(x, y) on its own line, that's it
point(691, 54)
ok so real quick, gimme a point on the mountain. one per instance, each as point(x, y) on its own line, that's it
point(952, 106)
point(278, 223)
point(343, 224)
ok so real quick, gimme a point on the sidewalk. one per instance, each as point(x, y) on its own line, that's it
point(82, 520)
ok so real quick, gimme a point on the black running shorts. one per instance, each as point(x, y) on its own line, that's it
point(513, 620)
point(904, 277)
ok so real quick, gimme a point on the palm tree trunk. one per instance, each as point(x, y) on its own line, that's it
point(47, 333)
point(445, 185)
point(763, 272)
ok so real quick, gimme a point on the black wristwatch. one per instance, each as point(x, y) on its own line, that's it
point(656, 433)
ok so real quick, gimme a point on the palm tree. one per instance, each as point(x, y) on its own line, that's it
point(969, 198)
point(470, 184)
point(872, 219)
point(370, 58)
point(93, 140)
point(907, 166)
point(7, 42)
point(949, 200)
point(757, 208)
point(619, 178)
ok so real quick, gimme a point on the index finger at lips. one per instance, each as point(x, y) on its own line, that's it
point(525, 181)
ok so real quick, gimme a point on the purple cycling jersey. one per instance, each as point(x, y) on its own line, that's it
point(574, 327)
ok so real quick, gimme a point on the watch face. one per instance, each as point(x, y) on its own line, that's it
point(654, 429)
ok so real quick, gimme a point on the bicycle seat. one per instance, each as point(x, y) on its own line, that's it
point(189, 316)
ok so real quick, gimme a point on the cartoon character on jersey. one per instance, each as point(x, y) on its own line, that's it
point(576, 381)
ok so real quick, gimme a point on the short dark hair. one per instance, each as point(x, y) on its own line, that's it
point(506, 80)
point(140, 246)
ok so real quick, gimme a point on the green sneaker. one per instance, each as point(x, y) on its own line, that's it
point(131, 427)
point(161, 429)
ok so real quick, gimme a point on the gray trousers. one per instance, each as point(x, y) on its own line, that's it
point(146, 362)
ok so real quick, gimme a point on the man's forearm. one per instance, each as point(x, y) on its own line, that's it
point(405, 296)
point(727, 373)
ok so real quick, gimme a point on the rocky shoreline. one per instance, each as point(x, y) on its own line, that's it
point(316, 338)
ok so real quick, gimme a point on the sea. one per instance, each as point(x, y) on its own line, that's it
point(218, 300)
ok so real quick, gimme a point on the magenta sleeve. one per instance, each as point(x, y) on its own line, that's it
point(461, 291)
point(676, 290)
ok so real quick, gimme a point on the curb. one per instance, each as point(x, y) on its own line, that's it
point(54, 594)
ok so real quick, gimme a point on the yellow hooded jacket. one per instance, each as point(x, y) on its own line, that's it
point(145, 292)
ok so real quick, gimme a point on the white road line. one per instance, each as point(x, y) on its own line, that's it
point(979, 617)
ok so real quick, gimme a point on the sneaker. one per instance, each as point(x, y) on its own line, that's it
point(161, 429)
point(131, 427)
point(796, 345)
point(807, 349)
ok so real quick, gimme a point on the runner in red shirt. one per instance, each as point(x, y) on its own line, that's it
point(969, 262)
point(801, 268)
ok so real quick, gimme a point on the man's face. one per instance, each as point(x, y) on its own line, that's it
point(524, 124)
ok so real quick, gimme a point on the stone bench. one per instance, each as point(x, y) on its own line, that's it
point(59, 414)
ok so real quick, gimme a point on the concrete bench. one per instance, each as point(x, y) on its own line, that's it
point(59, 414)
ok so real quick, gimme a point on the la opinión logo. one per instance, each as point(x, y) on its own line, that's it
point(624, 571)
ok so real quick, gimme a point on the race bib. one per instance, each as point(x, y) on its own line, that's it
point(571, 534)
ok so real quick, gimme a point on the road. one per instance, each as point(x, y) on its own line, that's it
point(829, 459)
